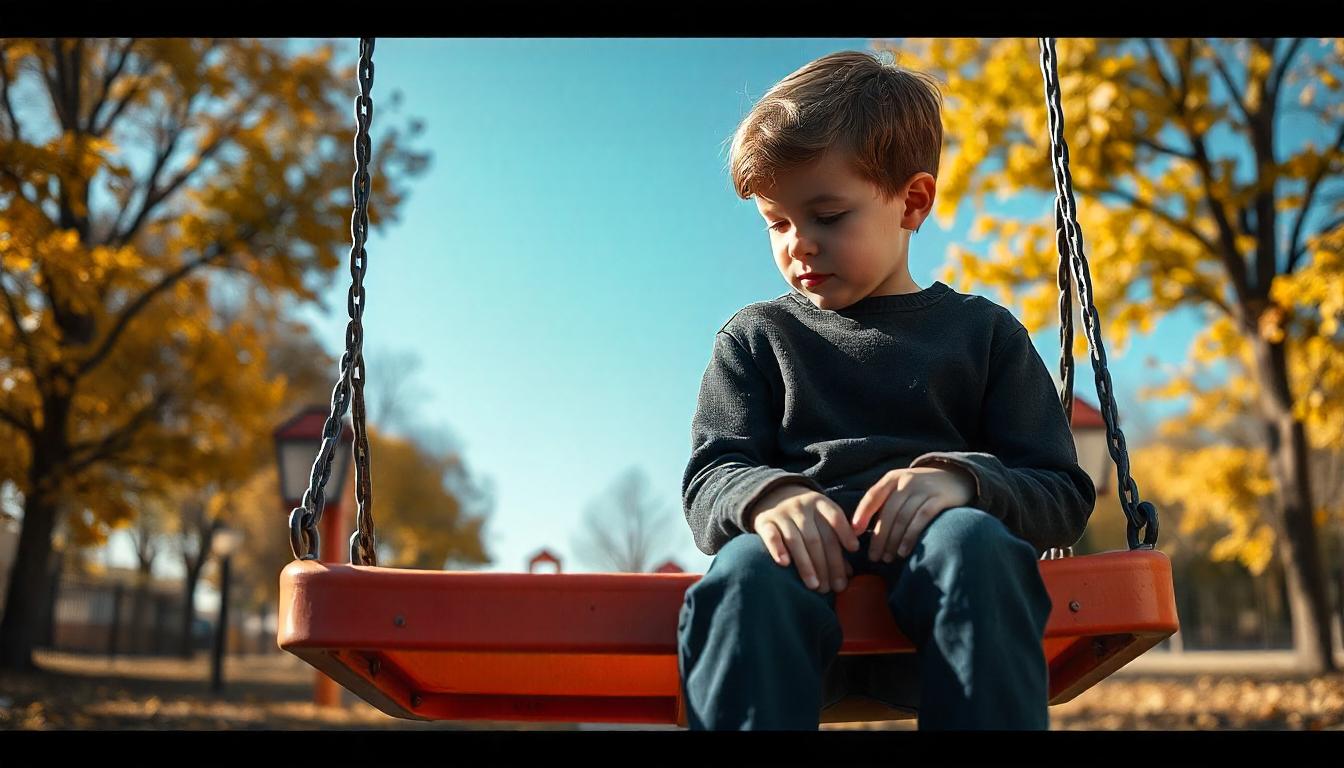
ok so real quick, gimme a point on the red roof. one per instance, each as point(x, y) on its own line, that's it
point(1086, 416)
point(307, 425)
point(544, 556)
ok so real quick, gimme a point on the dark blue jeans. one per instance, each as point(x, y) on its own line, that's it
point(758, 649)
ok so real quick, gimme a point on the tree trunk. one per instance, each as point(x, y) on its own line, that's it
point(26, 603)
point(205, 530)
point(185, 648)
point(1298, 545)
point(138, 602)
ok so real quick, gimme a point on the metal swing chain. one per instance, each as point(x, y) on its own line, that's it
point(1068, 237)
point(303, 520)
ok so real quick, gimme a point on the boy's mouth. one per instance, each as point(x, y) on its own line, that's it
point(812, 280)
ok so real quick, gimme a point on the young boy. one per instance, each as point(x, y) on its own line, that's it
point(860, 423)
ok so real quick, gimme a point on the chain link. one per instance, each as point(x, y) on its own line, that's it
point(1056, 553)
point(304, 520)
point(1069, 239)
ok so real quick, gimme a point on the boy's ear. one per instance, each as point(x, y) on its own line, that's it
point(919, 195)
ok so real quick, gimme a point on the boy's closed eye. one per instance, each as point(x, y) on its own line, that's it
point(825, 220)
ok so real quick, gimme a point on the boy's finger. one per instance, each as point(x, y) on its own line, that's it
point(872, 502)
point(835, 557)
point(817, 550)
point(900, 531)
point(882, 531)
point(802, 561)
point(774, 543)
point(834, 515)
point(923, 516)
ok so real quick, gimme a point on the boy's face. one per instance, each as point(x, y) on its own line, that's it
point(824, 219)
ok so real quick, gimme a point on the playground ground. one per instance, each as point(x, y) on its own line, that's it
point(1159, 691)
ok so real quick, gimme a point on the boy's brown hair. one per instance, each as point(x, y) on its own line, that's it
point(886, 117)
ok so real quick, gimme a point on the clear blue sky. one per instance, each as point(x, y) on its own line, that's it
point(564, 264)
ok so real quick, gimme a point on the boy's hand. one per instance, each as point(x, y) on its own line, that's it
point(908, 500)
point(796, 519)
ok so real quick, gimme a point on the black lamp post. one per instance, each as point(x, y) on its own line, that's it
point(224, 543)
point(297, 444)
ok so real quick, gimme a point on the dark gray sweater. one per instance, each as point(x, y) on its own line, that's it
point(834, 399)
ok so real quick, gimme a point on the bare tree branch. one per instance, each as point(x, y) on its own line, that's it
point(18, 186)
point(4, 95)
point(154, 195)
point(125, 100)
point(1296, 255)
point(145, 541)
point(1143, 205)
point(1163, 148)
point(392, 389)
point(1232, 261)
point(13, 311)
point(1212, 298)
point(55, 82)
point(18, 423)
point(110, 73)
point(118, 438)
point(1266, 218)
point(1167, 87)
point(1281, 71)
point(1229, 84)
point(621, 528)
point(76, 84)
point(1307, 198)
point(134, 308)
point(65, 95)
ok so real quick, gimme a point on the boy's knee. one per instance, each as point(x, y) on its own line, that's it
point(970, 551)
point(975, 534)
point(743, 558)
point(747, 583)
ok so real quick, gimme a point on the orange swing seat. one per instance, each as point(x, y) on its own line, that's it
point(602, 648)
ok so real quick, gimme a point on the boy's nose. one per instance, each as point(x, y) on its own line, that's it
point(802, 249)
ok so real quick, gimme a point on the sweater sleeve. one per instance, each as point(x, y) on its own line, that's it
point(732, 443)
point(1028, 474)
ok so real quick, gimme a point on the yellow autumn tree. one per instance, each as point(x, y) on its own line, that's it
point(430, 511)
point(1192, 192)
point(138, 180)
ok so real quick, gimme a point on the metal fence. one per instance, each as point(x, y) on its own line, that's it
point(88, 616)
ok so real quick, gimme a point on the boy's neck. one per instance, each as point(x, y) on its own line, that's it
point(906, 284)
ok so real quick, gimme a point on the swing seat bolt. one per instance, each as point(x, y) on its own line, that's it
point(1074, 606)
point(400, 621)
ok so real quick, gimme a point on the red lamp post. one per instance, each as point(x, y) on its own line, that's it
point(297, 443)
